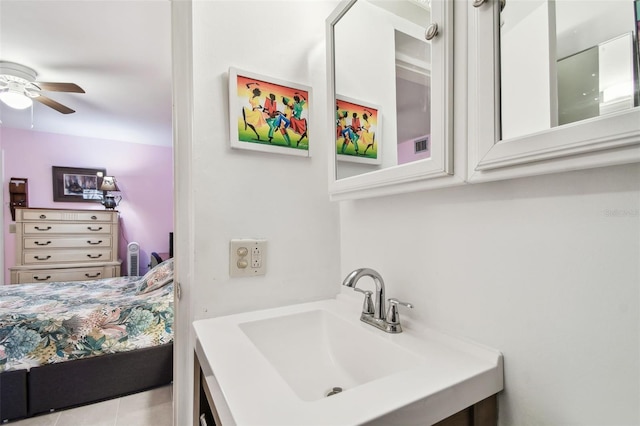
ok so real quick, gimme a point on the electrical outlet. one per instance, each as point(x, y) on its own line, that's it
point(256, 256)
point(247, 257)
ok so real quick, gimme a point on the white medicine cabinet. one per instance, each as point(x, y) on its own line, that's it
point(390, 68)
point(553, 86)
point(506, 89)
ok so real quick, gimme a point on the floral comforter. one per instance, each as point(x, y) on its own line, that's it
point(49, 323)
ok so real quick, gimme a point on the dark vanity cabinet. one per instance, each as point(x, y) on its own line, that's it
point(483, 413)
point(204, 411)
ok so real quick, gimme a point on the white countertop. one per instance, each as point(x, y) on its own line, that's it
point(248, 390)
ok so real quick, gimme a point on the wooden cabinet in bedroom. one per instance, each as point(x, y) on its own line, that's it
point(65, 245)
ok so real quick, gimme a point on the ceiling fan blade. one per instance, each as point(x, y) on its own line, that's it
point(60, 87)
point(53, 104)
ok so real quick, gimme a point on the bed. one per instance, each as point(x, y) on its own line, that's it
point(65, 344)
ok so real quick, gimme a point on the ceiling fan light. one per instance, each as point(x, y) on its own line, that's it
point(15, 100)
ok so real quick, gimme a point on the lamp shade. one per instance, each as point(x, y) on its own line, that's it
point(109, 184)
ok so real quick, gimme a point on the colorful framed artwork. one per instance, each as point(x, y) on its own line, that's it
point(267, 114)
point(72, 184)
point(358, 130)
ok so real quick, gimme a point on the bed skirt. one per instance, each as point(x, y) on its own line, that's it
point(83, 381)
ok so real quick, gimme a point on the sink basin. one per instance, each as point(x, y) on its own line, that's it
point(318, 364)
point(317, 351)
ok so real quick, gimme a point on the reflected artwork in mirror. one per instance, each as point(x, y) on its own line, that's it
point(565, 61)
point(358, 130)
point(382, 60)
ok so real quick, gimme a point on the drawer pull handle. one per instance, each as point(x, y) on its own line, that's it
point(94, 256)
point(38, 243)
point(37, 278)
point(94, 243)
point(96, 275)
point(94, 217)
point(94, 229)
point(43, 216)
point(43, 229)
point(42, 258)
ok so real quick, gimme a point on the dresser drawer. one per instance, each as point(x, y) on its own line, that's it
point(71, 216)
point(44, 257)
point(51, 275)
point(62, 242)
point(44, 228)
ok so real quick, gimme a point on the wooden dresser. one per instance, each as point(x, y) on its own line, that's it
point(65, 245)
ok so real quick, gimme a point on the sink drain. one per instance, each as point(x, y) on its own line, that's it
point(334, 390)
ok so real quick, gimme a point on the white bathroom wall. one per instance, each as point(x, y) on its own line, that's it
point(241, 193)
point(544, 269)
point(224, 193)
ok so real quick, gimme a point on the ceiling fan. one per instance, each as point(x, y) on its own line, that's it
point(18, 88)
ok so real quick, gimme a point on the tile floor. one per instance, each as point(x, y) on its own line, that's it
point(150, 408)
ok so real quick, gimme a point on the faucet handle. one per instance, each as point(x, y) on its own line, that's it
point(393, 317)
point(367, 306)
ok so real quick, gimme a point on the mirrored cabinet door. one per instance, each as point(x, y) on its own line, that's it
point(553, 86)
point(390, 72)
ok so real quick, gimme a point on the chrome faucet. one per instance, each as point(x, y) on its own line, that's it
point(352, 279)
point(374, 313)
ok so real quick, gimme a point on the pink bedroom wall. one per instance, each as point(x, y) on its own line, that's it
point(407, 154)
point(144, 174)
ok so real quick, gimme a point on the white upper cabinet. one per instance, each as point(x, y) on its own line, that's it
point(390, 68)
point(553, 86)
point(505, 89)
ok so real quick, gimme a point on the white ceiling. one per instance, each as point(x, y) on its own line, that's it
point(118, 51)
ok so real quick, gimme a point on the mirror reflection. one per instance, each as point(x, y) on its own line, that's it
point(564, 61)
point(413, 97)
point(383, 85)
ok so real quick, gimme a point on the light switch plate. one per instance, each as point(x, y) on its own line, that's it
point(247, 257)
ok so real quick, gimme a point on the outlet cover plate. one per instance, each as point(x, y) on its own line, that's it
point(247, 257)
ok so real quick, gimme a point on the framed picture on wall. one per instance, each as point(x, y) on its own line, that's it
point(72, 184)
point(358, 130)
point(267, 114)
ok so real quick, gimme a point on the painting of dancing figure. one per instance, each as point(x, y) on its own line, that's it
point(358, 131)
point(267, 114)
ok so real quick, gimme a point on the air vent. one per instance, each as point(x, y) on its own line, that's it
point(421, 145)
point(133, 259)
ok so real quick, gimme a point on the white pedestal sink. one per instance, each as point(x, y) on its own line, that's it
point(278, 366)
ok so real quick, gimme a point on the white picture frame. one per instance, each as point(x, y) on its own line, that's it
point(268, 114)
